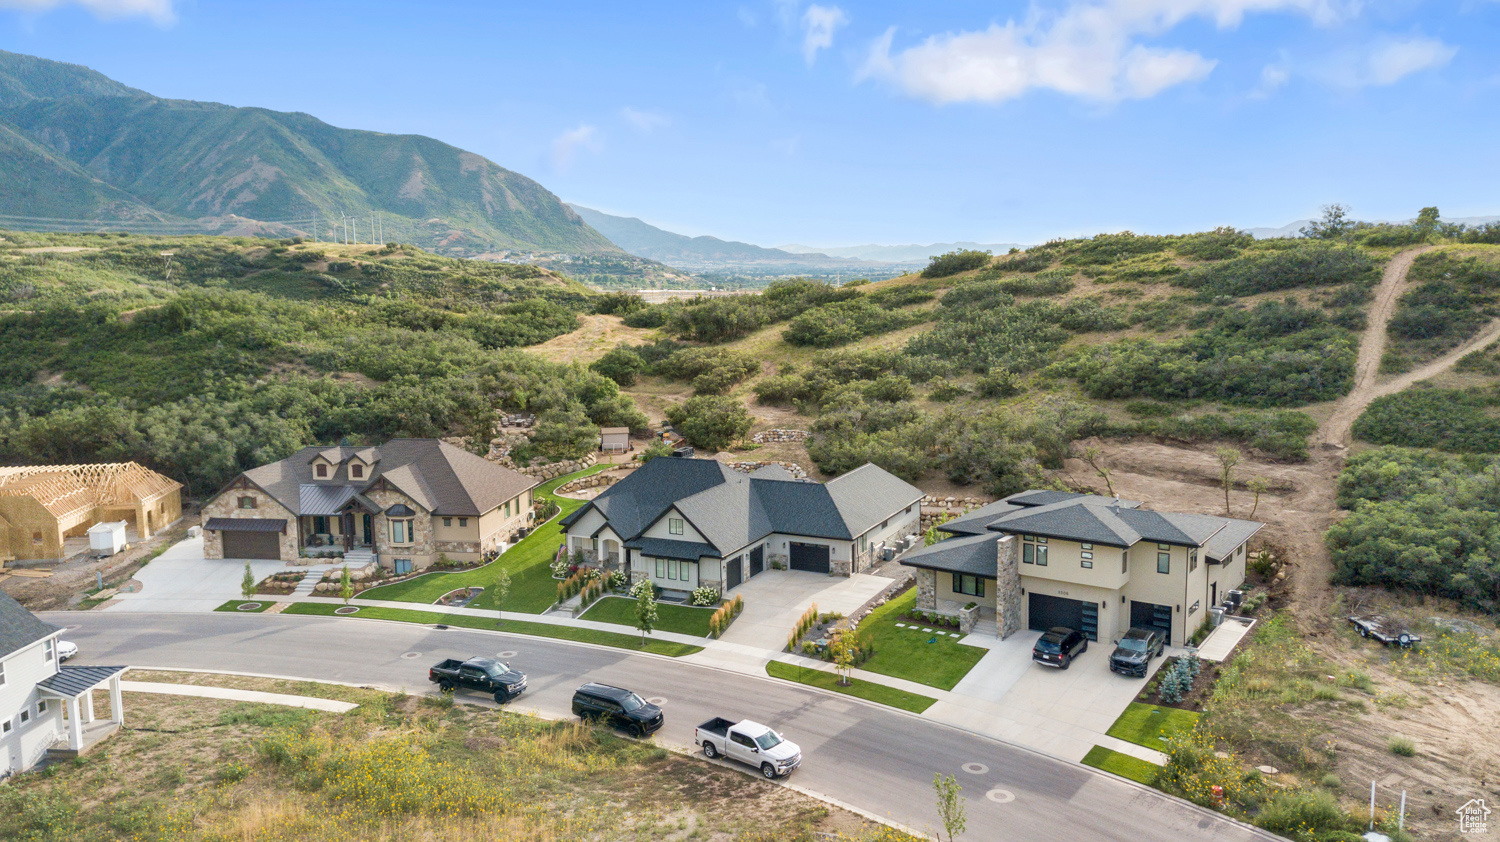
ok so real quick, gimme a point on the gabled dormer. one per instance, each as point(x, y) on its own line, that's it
point(325, 466)
point(361, 464)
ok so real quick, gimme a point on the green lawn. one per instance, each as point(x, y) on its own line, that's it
point(1144, 724)
point(1123, 765)
point(619, 641)
point(907, 653)
point(532, 588)
point(233, 605)
point(866, 690)
point(683, 619)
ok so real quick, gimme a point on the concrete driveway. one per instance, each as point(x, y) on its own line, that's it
point(1062, 712)
point(776, 598)
point(182, 580)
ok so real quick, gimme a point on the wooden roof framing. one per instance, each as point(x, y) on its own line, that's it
point(64, 490)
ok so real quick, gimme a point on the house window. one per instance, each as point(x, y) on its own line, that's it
point(322, 471)
point(674, 525)
point(1163, 562)
point(671, 570)
point(864, 543)
point(661, 569)
point(41, 707)
point(447, 521)
point(1124, 561)
point(684, 572)
point(1086, 560)
point(1192, 560)
point(463, 521)
point(402, 565)
point(247, 502)
point(1028, 553)
point(320, 524)
point(49, 649)
point(2, 673)
point(25, 716)
point(357, 471)
point(36, 537)
point(507, 508)
point(401, 532)
point(885, 523)
point(969, 584)
point(1194, 608)
point(1085, 546)
point(1041, 552)
point(5, 727)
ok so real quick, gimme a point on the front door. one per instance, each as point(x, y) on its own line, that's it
point(347, 525)
point(369, 530)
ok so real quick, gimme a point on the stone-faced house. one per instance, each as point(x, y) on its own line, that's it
point(1041, 559)
point(402, 504)
point(44, 705)
point(688, 523)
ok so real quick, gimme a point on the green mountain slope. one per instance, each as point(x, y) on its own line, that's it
point(197, 159)
point(43, 183)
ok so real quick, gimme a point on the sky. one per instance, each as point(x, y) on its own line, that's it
point(843, 122)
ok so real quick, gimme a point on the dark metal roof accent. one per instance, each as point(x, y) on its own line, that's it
point(20, 628)
point(313, 499)
point(246, 524)
point(75, 681)
point(400, 510)
point(667, 548)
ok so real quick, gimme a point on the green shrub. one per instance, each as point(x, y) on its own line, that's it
point(1402, 747)
point(842, 322)
point(1303, 814)
point(961, 260)
point(621, 365)
point(1306, 264)
point(710, 422)
point(1458, 421)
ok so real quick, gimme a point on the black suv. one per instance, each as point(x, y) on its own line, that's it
point(1133, 654)
point(1058, 647)
point(617, 706)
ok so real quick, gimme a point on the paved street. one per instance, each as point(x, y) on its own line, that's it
point(874, 758)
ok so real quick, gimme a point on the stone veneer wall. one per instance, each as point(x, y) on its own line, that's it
point(838, 568)
point(1007, 586)
point(423, 552)
point(926, 588)
point(228, 505)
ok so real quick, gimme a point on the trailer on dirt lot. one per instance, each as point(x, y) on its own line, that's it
point(1385, 630)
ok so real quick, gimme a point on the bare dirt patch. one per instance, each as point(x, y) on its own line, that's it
point(595, 336)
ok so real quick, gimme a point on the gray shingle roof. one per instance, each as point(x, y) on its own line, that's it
point(868, 495)
point(443, 479)
point(1234, 533)
point(636, 502)
point(668, 548)
point(20, 628)
point(974, 522)
point(974, 554)
point(1093, 519)
point(75, 681)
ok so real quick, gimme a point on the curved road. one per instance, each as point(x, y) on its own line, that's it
point(870, 757)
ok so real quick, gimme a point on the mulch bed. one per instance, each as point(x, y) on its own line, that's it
point(1194, 699)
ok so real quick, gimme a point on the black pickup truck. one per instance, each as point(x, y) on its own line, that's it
point(485, 674)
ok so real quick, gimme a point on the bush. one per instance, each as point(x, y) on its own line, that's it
point(621, 365)
point(617, 580)
point(1402, 747)
point(961, 260)
point(1306, 264)
point(712, 371)
point(1458, 421)
point(944, 390)
point(640, 587)
point(705, 596)
point(1304, 814)
point(710, 422)
point(843, 322)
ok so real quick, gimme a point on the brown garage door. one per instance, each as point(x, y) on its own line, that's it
point(252, 545)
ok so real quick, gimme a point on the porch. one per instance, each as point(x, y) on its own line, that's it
point(335, 525)
point(74, 687)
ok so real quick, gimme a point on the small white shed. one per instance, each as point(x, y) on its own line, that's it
point(107, 538)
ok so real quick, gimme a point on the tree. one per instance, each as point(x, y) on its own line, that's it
point(1228, 457)
point(1427, 221)
point(843, 650)
point(950, 806)
point(645, 612)
point(621, 365)
point(501, 589)
point(1091, 456)
point(247, 584)
point(711, 422)
point(655, 449)
point(933, 536)
point(346, 585)
point(1334, 224)
point(1259, 486)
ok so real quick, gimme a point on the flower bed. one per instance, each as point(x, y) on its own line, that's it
point(1193, 694)
point(931, 618)
point(459, 597)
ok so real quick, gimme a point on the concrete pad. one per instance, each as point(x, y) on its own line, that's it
point(776, 598)
point(1217, 646)
point(181, 580)
point(200, 691)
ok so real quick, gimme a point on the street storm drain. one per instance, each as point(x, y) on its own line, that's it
point(506, 655)
point(342, 609)
point(407, 656)
point(1000, 796)
point(976, 768)
point(441, 627)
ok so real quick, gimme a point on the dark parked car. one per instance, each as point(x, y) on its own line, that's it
point(1059, 646)
point(1133, 654)
point(487, 675)
point(617, 706)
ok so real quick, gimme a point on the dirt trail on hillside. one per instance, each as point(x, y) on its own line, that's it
point(596, 336)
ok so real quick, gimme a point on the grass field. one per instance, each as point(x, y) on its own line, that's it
point(1144, 724)
point(1121, 764)
point(908, 654)
point(683, 619)
point(233, 606)
point(532, 588)
point(866, 690)
point(618, 641)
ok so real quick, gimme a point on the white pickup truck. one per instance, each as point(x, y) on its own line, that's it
point(748, 742)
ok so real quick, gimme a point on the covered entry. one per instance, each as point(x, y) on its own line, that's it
point(1044, 612)
point(73, 687)
point(810, 557)
point(249, 537)
point(1150, 615)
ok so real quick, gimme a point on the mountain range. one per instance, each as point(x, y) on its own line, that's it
point(77, 145)
point(912, 255)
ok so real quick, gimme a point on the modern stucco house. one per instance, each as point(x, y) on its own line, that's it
point(685, 523)
point(44, 705)
point(1040, 559)
point(403, 504)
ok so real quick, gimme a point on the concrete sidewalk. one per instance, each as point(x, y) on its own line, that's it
point(205, 692)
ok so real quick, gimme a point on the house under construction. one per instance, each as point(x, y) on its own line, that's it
point(41, 506)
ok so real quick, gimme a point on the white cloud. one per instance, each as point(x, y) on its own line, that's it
point(566, 145)
point(818, 26)
point(1390, 61)
point(160, 11)
point(1273, 77)
point(1091, 49)
point(644, 121)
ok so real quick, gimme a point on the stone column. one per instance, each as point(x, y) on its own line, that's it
point(1007, 586)
point(926, 589)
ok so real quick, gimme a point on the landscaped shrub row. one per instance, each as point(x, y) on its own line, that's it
point(930, 618)
point(808, 619)
point(1178, 679)
point(574, 584)
point(722, 618)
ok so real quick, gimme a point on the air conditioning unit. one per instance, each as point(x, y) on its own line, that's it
point(887, 553)
point(1215, 616)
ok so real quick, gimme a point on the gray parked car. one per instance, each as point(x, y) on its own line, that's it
point(1134, 651)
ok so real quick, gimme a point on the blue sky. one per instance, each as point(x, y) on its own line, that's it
point(843, 122)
